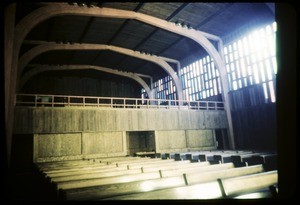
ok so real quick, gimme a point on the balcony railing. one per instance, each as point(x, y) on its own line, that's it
point(40, 100)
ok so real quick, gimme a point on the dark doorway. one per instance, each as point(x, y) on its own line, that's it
point(140, 141)
point(22, 153)
point(222, 139)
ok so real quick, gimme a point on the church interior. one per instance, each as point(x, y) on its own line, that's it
point(148, 101)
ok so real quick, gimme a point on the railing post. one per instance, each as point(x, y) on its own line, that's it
point(52, 100)
point(111, 102)
point(136, 103)
point(35, 101)
point(98, 102)
point(124, 102)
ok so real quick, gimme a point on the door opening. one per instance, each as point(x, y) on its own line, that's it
point(140, 141)
point(222, 139)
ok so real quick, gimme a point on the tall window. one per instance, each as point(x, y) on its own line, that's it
point(249, 60)
point(252, 60)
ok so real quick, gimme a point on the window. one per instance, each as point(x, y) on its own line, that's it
point(249, 60)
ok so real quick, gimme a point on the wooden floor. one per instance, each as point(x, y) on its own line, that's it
point(192, 175)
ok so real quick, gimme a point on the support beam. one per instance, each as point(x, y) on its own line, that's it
point(225, 85)
point(29, 55)
point(43, 68)
point(9, 73)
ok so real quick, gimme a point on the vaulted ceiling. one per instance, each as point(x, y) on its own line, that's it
point(218, 19)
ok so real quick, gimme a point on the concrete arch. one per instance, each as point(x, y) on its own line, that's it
point(43, 68)
point(43, 13)
point(31, 54)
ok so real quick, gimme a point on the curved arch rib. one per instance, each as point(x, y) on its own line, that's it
point(29, 55)
point(41, 14)
point(42, 68)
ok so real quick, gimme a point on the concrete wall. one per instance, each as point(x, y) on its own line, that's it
point(74, 133)
point(185, 140)
point(66, 120)
point(54, 147)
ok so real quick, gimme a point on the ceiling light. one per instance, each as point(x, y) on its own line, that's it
point(177, 23)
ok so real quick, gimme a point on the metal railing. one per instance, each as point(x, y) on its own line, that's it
point(41, 100)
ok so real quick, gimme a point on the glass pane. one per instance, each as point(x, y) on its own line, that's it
point(272, 93)
point(215, 87)
point(265, 90)
point(274, 64)
point(225, 50)
point(255, 72)
point(234, 85)
point(262, 72)
point(245, 44)
point(219, 85)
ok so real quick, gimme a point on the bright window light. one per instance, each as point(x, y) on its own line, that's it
point(249, 59)
point(265, 91)
point(272, 93)
point(255, 72)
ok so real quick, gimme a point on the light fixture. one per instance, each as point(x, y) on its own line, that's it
point(177, 23)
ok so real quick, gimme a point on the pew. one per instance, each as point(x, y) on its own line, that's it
point(133, 177)
point(175, 172)
point(248, 184)
point(119, 159)
point(115, 172)
point(194, 178)
point(268, 160)
point(79, 168)
point(220, 188)
point(179, 165)
point(227, 157)
point(85, 171)
point(155, 184)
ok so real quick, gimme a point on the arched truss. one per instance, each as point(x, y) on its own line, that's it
point(42, 68)
point(43, 13)
point(32, 53)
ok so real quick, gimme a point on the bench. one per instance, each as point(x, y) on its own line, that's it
point(220, 188)
point(248, 184)
point(127, 178)
point(115, 172)
point(268, 160)
point(176, 179)
point(195, 178)
point(85, 171)
point(118, 159)
point(202, 168)
point(226, 157)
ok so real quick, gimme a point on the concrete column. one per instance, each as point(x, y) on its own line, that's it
point(225, 95)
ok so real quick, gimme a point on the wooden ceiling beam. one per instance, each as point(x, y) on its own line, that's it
point(42, 48)
point(42, 68)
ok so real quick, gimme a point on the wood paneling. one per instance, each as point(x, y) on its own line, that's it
point(254, 121)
